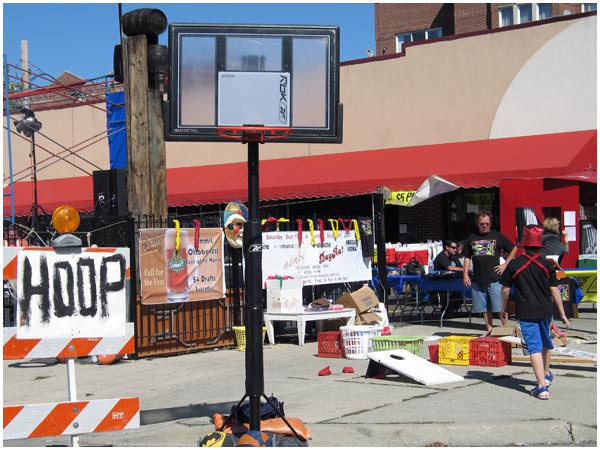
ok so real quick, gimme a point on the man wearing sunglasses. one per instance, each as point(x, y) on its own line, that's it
point(447, 259)
point(482, 251)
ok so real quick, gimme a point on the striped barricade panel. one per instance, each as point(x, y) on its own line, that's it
point(67, 347)
point(71, 418)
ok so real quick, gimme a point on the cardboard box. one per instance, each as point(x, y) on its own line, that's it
point(284, 296)
point(362, 299)
point(367, 319)
point(506, 331)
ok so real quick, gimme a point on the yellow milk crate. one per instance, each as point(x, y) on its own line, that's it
point(240, 336)
point(455, 350)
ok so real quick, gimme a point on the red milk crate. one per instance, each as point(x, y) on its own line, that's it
point(490, 352)
point(330, 344)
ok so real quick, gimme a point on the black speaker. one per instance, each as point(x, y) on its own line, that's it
point(118, 63)
point(110, 192)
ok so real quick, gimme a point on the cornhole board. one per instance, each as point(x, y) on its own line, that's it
point(571, 355)
point(415, 367)
point(574, 353)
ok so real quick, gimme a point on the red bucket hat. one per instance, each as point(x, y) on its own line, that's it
point(532, 236)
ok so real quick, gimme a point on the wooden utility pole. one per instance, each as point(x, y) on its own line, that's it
point(146, 155)
point(25, 64)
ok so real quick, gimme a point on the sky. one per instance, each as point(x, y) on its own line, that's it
point(80, 37)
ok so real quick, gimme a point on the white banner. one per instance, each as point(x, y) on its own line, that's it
point(315, 261)
point(71, 294)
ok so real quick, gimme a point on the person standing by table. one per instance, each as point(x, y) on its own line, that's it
point(460, 253)
point(482, 251)
point(534, 279)
point(555, 242)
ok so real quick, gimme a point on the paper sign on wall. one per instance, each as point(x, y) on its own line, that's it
point(314, 259)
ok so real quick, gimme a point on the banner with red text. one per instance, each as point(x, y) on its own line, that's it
point(315, 259)
point(179, 269)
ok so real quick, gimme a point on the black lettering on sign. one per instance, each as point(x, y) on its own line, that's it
point(92, 309)
point(115, 286)
point(75, 284)
point(62, 309)
point(28, 290)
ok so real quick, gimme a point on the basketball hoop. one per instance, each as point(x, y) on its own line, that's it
point(254, 133)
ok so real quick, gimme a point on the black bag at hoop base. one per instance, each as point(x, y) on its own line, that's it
point(242, 415)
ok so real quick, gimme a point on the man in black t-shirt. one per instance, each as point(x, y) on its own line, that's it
point(482, 250)
point(534, 279)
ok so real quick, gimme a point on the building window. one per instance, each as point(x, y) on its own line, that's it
point(586, 7)
point(544, 10)
point(506, 16)
point(415, 36)
point(523, 13)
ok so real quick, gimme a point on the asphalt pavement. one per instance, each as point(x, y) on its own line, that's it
point(179, 395)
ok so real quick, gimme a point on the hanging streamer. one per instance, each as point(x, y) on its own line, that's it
point(311, 227)
point(321, 231)
point(356, 229)
point(274, 219)
point(343, 222)
point(196, 234)
point(299, 222)
point(335, 226)
point(280, 220)
point(177, 234)
point(269, 220)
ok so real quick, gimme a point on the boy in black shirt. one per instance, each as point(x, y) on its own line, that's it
point(534, 279)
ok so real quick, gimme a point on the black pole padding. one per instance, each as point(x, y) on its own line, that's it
point(236, 263)
point(253, 292)
point(379, 222)
point(144, 21)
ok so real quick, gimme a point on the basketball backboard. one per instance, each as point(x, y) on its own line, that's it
point(223, 75)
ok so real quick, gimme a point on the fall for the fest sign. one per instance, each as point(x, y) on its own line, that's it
point(315, 259)
point(180, 268)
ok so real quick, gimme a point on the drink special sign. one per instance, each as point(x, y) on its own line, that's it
point(326, 259)
point(176, 265)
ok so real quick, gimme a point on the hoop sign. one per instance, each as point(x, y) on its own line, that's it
point(262, 75)
point(63, 295)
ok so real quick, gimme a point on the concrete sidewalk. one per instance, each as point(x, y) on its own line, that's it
point(179, 395)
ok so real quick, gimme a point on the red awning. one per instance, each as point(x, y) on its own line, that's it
point(588, 175)
point(77, 192)
point(468, 164)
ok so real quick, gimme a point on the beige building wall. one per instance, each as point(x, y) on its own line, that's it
point(449, 91)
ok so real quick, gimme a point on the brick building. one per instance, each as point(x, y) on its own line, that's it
point(397, 24)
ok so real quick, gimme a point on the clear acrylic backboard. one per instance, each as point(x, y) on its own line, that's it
point(223, 75)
